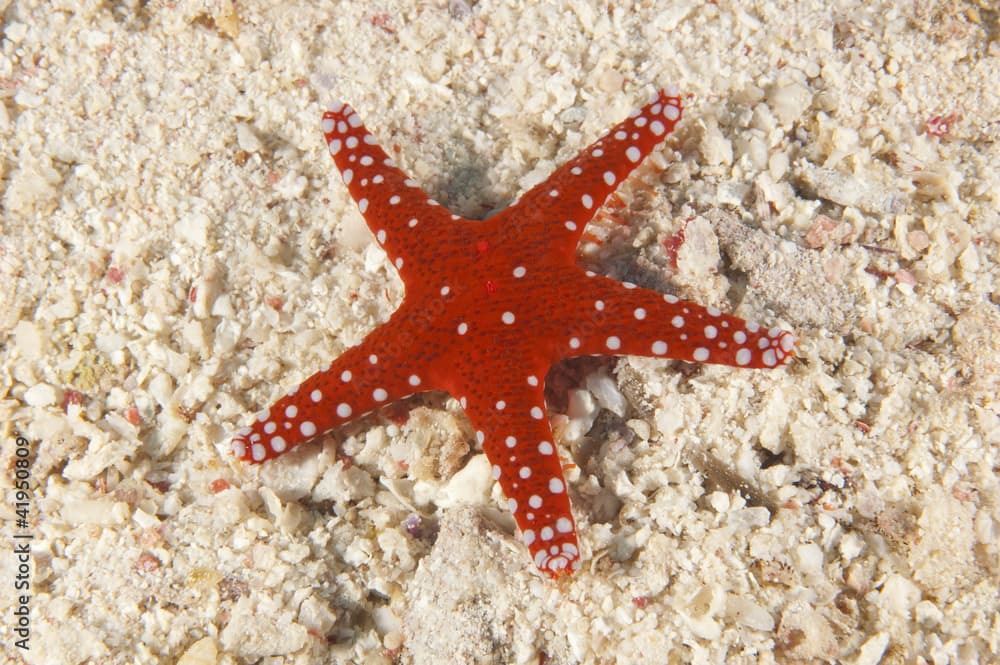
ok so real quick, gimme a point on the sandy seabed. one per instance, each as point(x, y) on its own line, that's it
point(178, 249)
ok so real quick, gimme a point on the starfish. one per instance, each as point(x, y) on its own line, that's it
point(490, 305)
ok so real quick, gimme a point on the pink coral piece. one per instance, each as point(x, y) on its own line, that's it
point(490, 305)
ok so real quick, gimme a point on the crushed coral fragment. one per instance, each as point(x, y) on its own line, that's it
point(941, 126)
point(490, 305)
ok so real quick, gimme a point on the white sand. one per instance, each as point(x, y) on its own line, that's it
point(178, 250)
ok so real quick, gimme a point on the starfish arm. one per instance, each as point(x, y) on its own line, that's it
point(608, 317)
point(516, 437)
point(397, 211)
point(378, 371)
point(570, 197)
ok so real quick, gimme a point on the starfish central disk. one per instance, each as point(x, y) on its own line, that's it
point(490, 305)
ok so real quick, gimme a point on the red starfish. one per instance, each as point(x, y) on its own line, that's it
point(490, 305)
